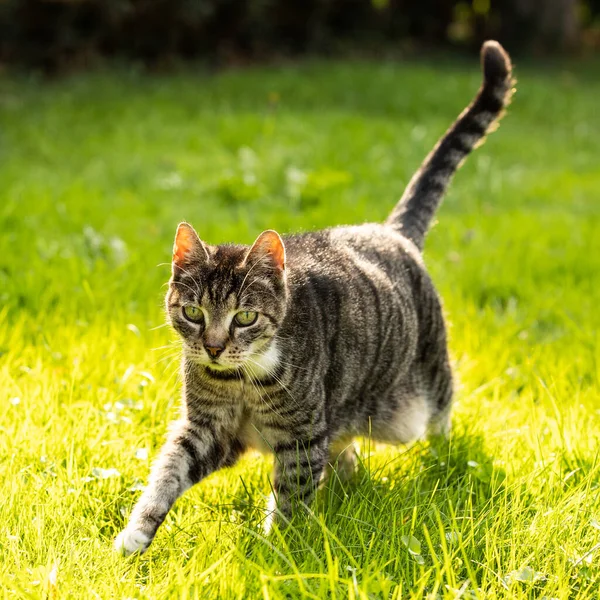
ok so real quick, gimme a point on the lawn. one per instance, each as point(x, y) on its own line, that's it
point(96, 171)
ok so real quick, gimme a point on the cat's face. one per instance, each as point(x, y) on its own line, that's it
point(227, 302)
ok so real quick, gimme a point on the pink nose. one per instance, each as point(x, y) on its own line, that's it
point(214, 351)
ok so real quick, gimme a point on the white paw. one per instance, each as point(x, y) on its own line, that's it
point(270, 514)
point(132, 540)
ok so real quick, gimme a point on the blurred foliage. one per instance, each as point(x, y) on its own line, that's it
point(53, 34)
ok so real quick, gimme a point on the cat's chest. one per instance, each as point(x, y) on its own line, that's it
point(262, 427)
point(258, 433)
point(255, 437)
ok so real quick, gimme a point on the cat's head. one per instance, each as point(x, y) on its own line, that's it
point(227, 302)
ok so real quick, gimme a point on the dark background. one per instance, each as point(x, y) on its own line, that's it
point(58, 35)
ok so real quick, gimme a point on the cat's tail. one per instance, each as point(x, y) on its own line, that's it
point(414, 212)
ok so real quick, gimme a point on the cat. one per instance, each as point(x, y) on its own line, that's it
point(296, 345)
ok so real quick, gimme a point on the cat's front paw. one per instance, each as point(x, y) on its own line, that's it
point(132, 540)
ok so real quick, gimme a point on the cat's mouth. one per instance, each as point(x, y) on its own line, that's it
point(218, 371)
point(215, 366)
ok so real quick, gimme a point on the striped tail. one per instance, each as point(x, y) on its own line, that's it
point(414, 212)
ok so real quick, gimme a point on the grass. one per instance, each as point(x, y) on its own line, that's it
point(95, 173)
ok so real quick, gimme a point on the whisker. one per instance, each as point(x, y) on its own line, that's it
point(254, 381)
point(169, 345)
point(256, 263)
point(168, 357)
point(196, 283)
point(196, 292)
point(272, 374)
point(270, 292)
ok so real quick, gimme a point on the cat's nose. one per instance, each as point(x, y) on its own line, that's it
point(214, 351)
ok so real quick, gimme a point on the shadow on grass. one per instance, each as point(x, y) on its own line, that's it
point(424, 518)
point(429, 474)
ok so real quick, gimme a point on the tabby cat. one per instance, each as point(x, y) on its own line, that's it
point(296, 345)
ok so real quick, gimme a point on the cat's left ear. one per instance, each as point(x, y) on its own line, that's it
point(268, 249)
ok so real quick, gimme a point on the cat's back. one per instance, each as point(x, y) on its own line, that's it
point(337, 252)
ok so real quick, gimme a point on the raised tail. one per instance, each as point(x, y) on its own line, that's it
point(414, 212)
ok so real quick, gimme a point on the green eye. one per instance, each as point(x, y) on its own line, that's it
point(193, 313)
point(245, 318)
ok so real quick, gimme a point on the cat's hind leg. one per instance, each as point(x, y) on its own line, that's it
point(441, 392)
point(343, 458)
point(403, 418)
point(440, 424)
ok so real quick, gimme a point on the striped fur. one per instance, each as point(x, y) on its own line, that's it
point(349, 340)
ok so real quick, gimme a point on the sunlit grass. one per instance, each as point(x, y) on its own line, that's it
point(96, 172)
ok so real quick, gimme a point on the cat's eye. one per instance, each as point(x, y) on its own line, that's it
point(245, 318)
point(193, 313)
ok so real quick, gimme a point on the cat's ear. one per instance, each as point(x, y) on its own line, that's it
point(188, 247)
point(268, 249)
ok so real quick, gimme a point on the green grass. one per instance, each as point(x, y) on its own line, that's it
point(95, 173)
